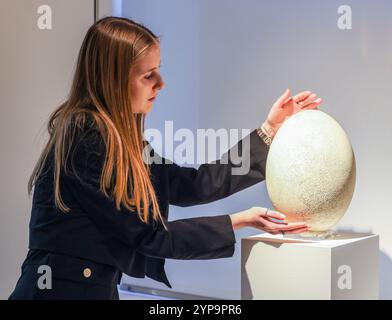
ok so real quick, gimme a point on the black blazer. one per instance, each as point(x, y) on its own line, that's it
point(96, 231)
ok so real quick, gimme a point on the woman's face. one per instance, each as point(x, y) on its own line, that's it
point(146, 81)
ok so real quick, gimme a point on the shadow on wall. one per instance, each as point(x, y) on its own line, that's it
point(385, 276)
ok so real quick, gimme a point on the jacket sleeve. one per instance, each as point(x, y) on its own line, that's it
point(194, 238)
point(214, 181)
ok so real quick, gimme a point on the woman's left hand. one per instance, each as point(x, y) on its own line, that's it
point(286, 106)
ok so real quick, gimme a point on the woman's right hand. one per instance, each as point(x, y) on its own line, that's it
point(266, 220)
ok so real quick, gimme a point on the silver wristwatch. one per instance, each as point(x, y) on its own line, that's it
point(264, 136)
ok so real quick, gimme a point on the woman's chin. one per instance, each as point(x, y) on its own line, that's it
point(144, 110)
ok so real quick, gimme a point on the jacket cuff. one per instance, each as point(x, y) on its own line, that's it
point(258, 151)
point(224, 235)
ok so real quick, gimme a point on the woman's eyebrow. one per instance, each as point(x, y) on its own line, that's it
point(154, 68)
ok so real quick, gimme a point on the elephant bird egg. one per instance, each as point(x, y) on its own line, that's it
point(310, 171)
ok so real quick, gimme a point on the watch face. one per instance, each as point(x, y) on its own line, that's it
point(264, 137)
point(268, 140)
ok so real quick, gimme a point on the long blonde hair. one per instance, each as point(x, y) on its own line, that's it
point(101, 91)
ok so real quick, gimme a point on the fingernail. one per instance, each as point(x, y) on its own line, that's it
point(282, 215)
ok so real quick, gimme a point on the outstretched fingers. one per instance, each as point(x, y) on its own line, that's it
point(312, 105)
point(268, 213)
point(308, 100)
point(301, 96)
point(282, 99)
point(299, 230)
point(294, 227)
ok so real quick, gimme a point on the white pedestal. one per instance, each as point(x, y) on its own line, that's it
point(290, 267)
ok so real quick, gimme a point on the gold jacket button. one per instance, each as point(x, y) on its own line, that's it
point(87, 272)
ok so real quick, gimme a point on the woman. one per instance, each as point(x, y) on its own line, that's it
point(99, 209)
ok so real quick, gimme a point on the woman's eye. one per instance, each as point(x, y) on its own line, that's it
point(148, 77)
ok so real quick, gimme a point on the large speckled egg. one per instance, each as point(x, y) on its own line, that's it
point(310, 171)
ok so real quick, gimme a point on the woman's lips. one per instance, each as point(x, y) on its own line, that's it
point(152, 99)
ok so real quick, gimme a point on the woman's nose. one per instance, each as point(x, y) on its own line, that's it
point(161, 84)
